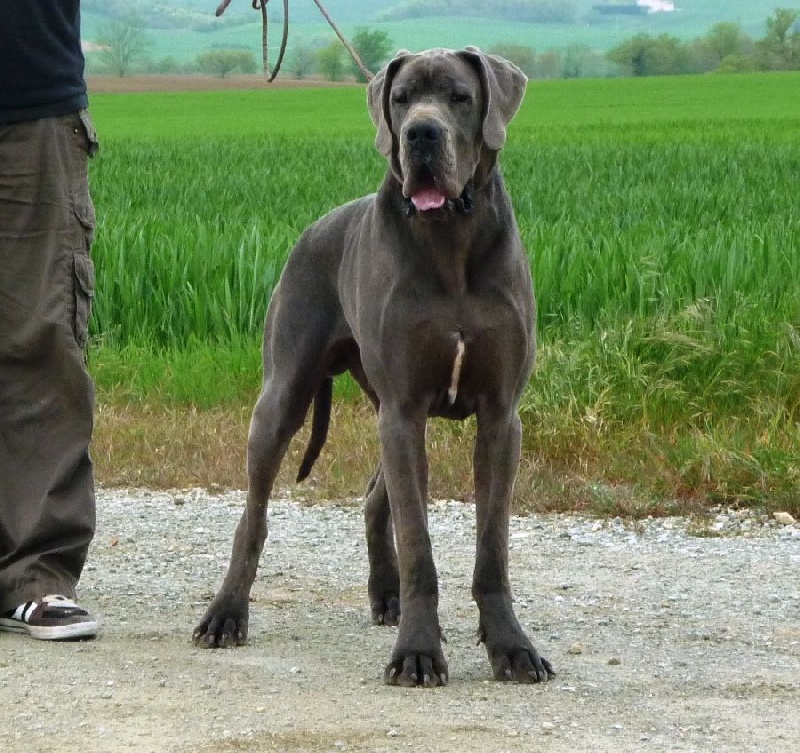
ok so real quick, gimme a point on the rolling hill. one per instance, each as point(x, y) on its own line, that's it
point(182, 29)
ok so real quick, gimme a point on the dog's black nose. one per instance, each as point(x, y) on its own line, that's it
point(424, 133)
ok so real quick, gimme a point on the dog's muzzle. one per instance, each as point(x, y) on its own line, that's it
point(427, 163)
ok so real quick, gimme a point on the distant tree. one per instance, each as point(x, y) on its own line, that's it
point(575, 61)
point(166, 65)
point(726, 39)
point(331, 62)
point(124, 43)
point(302, 61)
point(222, 62)
point(780, 48)
point(724, 42)
point(520, 55)
point(671, 56)
point(373, 47)
point(643, 55)
point(549, 65)
point(736, 64)
point(633, 55)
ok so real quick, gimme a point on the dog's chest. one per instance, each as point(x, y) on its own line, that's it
point(456, 353)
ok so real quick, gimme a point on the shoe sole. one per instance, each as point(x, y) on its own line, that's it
point(71, 632)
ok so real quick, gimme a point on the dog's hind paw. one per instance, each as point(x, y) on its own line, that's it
point(385, 610)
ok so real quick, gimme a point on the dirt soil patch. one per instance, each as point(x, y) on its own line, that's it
point(175, 83)
point(665, 636)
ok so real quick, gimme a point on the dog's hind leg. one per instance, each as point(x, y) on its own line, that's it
point(384, 580)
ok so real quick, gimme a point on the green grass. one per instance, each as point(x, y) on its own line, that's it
point(218, 115)
point(750, 107)
point(193, 234)
point(662, 223)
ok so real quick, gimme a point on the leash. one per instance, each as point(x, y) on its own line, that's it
point(261, 5)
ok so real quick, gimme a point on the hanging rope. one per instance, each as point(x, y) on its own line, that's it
point(353, 54)
point(262, 6)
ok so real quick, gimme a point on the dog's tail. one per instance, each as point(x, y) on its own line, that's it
point(319, 427)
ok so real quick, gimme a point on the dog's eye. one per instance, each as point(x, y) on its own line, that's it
point(400, 98)
point(461, 98)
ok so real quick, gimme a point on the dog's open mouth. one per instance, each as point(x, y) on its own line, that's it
point(426, 194)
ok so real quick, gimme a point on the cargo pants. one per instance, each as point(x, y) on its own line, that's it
point(47, 220)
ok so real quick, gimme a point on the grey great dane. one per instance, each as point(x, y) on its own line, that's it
point(423, 292)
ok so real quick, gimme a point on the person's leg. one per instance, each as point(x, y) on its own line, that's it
point(47, 505)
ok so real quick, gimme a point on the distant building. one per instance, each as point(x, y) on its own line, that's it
point(634, 9)
point(629, 9)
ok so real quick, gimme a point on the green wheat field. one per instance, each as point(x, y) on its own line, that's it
point(662, 222)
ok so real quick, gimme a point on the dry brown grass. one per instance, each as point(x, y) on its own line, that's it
point(168, 447)
point(162, 447)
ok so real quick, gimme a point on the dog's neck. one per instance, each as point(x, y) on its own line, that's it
point(452, 241)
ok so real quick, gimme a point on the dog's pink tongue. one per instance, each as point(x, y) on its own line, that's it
point(428, 198)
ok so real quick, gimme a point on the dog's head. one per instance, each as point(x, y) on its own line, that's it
point(441, 117)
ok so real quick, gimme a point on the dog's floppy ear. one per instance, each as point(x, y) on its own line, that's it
point(503, 89)
point(377, 101)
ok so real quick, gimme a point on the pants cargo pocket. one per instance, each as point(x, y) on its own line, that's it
point(82, 266)
point(83, 274)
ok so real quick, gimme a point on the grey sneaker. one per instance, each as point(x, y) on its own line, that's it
point(54, 618)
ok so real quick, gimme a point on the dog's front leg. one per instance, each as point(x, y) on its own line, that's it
point(225, 622)
point(417, 658)
point(496, 461)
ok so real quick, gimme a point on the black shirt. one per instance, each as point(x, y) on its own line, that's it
point(41, 61)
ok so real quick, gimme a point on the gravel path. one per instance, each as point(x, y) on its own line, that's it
point(662, 639)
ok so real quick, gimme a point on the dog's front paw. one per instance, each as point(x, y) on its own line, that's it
point(519, 664)
point(416, 669)
point(511, 654)
point(223, 625)
point(417, 659)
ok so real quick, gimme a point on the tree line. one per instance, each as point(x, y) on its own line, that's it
point(725, 48)
point(124, 47)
